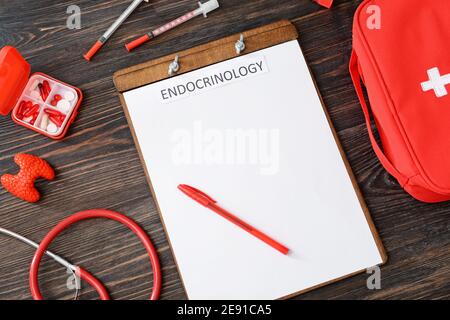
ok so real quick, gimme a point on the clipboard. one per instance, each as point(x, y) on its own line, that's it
point(212, 53)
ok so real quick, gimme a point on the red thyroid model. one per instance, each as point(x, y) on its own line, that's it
point(22, 184)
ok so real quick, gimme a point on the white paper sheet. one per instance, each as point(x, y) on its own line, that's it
point(260, 145)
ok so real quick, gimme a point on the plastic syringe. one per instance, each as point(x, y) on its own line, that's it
point(101, 41)
point(204, 8)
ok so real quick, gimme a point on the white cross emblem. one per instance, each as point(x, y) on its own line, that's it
point(436, 83)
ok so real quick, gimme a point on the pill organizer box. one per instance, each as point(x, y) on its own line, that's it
point(38, 102)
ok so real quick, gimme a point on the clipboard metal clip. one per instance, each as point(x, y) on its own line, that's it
point(174, 66)
point(240, 44)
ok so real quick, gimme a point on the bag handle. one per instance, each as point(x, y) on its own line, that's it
point(356, 77)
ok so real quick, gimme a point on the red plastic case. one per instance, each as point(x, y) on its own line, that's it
point(17, 85)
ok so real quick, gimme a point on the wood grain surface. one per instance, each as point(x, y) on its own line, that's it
point(98, 165)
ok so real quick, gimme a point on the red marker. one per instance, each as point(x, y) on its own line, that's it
point(210, 203)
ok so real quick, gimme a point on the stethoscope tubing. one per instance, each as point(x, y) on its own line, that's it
point(82, 273)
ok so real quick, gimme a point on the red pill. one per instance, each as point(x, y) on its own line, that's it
point(26, 106)
point(42, 91)
point(36, 114)
point(56, 120)
point(31, 111)
point(47, 88)
point(19, 112)
point(53, 112)
point(54, 103)
point(57, 97)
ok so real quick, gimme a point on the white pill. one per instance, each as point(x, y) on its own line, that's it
point(52, 128)
point(64, 105)
point(44, 122)
point(69, 96)
point(34, 85)
point(35, 95)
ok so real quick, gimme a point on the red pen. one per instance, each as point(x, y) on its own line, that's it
point(210, 203)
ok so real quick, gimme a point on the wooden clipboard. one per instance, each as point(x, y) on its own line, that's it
point(212, 53)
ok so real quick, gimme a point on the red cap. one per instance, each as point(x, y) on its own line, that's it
point(136, 43)
point(94, 49)
point(14, 74)
point(325, 3)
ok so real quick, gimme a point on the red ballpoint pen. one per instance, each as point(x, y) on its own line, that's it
point(210, 203)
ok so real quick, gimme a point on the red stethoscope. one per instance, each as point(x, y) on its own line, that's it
point(80, 272)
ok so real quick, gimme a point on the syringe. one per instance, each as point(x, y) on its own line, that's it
point(101, 41)
point(204, 9)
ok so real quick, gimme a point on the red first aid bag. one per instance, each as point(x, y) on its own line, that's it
point(401, 52)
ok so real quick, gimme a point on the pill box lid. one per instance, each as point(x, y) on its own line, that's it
point(14, 74)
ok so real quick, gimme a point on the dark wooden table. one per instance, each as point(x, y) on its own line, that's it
point(98, 166)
